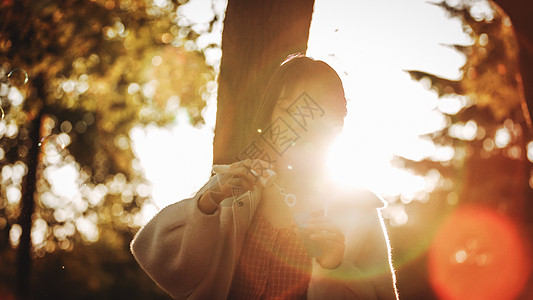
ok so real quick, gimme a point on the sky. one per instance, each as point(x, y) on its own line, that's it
point(370, 43)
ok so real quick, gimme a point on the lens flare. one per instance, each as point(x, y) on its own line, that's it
point(478, 254)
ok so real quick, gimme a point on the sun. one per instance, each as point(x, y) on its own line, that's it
point(370, 46)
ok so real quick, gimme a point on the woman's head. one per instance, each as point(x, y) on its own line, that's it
point(302, 110)
point(300, 74)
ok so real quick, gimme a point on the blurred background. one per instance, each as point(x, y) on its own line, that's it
point(108, 111)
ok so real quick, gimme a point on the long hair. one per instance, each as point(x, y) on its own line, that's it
point(299, 71)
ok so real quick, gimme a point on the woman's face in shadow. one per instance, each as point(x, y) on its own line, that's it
point(309, 121)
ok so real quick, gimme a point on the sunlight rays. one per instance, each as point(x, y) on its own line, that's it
point(370, 44)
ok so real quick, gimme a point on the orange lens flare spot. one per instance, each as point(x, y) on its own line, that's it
point(478, 254)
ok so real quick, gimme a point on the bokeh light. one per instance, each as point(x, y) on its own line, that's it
point(530, 151)
point(14, 234)
point(478, 253)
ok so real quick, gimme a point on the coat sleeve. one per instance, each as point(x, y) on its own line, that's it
point(366, 272)
point(176, 247)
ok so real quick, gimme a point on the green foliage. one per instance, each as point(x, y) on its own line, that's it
point(98, 58)
point(490, 75)
point(95, 69)
point(487, 132)
point(490, 87)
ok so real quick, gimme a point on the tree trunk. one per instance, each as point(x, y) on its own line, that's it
point(27, 207)
point(257, 36)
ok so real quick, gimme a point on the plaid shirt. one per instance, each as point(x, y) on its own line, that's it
point(273, 264)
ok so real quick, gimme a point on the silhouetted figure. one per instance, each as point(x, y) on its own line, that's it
point(271, 225)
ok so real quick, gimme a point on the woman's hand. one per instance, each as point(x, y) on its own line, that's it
point(231, 180)
point(329, 238)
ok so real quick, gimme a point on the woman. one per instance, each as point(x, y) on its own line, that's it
point(271, 226)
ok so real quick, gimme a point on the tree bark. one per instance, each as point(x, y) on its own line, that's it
point(29, 188)
point(257, 36)
point(27, 207)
